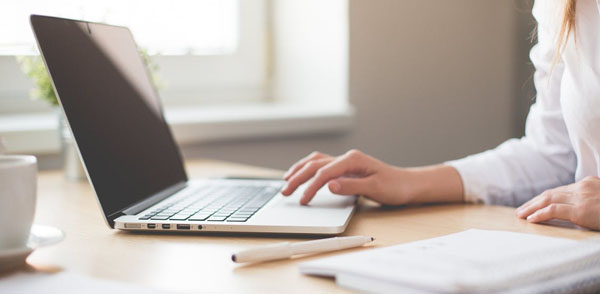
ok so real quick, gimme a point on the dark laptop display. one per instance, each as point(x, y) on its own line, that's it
point(115, 114)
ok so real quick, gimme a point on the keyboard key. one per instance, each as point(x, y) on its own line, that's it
point(237, 219)
point(220, 213)
point(216, 203)
point(247, 211)
point(198, 217)
point(171, 212)
point(244, 211)
point(242, 215)
point(202, 212)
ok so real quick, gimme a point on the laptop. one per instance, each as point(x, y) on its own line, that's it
point(131, 159)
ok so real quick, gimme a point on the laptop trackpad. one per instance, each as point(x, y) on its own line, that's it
point(325, 209)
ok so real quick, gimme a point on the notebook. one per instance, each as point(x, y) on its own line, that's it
point(472, 261)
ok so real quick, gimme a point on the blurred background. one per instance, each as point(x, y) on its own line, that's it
point(265, 82)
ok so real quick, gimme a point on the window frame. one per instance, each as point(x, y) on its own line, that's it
point(235, 77)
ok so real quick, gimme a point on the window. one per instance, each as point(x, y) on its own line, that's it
point(208, 51)
point(206, 27)
point(234, 69)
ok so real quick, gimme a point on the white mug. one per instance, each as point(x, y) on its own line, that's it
point(18, 187)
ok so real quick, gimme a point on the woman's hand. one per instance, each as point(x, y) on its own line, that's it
point(355, 173)
point(578, 203)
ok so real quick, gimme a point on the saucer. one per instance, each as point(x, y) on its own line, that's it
point(40, 236)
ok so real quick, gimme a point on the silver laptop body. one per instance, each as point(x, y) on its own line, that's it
point(131, 158)
point(328, 214)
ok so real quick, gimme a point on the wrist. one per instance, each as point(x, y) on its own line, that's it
point(411, 185)
point(434, 184)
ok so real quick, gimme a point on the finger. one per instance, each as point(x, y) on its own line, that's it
point(351, 186)
point(304, 174)
point(558, 195)
point(541, 201)
point(300, 164)
point(527, 208)
point(334, 169)
point(529, 202)
point(552, 211)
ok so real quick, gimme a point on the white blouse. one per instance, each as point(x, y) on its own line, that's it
point(562, 136)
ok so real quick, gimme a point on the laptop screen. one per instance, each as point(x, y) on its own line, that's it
point(112, 108)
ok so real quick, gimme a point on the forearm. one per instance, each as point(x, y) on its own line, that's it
point(435, 184)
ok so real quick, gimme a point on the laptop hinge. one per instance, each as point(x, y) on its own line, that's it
point(144, 204)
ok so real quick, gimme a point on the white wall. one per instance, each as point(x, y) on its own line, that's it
point(430, 80)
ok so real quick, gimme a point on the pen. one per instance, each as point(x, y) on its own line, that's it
point(287, 249)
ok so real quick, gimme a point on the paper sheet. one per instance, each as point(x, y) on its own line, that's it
point(65, 283)
point(452, 263)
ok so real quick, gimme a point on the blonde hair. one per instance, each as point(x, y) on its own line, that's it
point(566, 28)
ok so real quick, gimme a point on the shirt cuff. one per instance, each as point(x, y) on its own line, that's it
point(474, 189)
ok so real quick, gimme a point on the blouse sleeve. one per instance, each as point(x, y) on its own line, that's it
point(519, 169)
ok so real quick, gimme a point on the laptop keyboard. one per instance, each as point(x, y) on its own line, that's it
point(218, 203)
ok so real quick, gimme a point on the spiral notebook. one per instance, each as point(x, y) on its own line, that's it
point(472, 261)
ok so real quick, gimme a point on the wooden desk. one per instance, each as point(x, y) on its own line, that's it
point(200, 263)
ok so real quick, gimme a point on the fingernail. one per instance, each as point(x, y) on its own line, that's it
point(334, 186)
point(302, 201)
point(530, 217)
point(304, 197)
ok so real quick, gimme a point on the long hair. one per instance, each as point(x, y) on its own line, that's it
point(566, 28)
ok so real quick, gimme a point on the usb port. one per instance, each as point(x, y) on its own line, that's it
point(151, 226)
point(166, 226)
point(183, 227)
point(133, 226)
